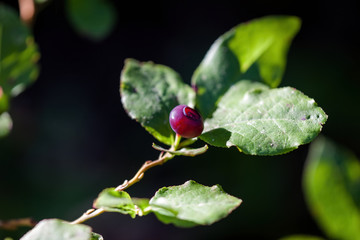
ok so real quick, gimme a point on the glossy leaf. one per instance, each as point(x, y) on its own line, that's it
point(301, 237)
point(115, 201)
point(262, 43)
point(92, 18)
point(5, 124)
point(192, 204)
point(18, 53)
point(149, 92)
point(263, 121)
point(56, 229)
point(332, 189)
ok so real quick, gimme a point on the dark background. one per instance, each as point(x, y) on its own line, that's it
point(72, 138)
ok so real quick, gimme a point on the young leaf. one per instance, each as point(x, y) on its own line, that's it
point(331, 184)
point(301, 237)
point(114, 201)
point(96, 236)
point(264, 41)
point(149, 92)
point(92, 18)
point(192, 204)
point(18, 53)
point(263, 121)
point(56, 229)
point(190, 152)
point(142, 206)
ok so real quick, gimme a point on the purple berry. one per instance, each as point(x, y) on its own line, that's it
point(186, 121)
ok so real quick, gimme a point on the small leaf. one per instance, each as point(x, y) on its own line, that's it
point(263, 42)
point(301, 237)
point(96, 236)
point(149, 92)
point(191, 152)
point(115, 201)
point(18, 53)
point(331, 184)
point(56, 229)
point(192, 204)
point(142, 206)
point(5, 124)
point(263, 121)
point(92, 18)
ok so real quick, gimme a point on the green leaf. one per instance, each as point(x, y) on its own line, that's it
point(149, 92)
point(96, 236)
point(4, 101)
point(18, 53)
point(5, 124)
point(262, 42)
point(331, 184)
point(263, 121)
point(92, 18)
point(115, 201)
point(56, 229)
point(142, 206)
point(265, 41)
point(190, 152)
point(192, 204)
point(301, 237)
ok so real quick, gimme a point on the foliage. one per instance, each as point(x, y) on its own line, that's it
point(94, 19)
point(56, 229)
point(234, 88)
point(18, 61)
point(332, 189)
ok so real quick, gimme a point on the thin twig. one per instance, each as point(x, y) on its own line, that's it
point(13, 224)
point(138, 176)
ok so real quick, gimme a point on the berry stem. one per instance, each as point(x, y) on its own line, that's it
point(163, 157)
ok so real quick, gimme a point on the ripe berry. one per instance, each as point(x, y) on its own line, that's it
point(186, 121)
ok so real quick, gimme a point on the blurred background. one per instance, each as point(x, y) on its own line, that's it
point(72, 138)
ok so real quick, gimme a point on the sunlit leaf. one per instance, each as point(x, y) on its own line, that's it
point(149, 92)
point(262, 43)
point(263, 121)
point(115, 201)
point(332, 189)
point(192, 204)
point(55, 229)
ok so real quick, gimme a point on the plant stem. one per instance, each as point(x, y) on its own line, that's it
point(163, 157)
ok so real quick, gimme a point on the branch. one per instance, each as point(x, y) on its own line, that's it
point(138, 176)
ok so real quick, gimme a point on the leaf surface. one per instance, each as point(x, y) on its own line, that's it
point(56, 229)
point(262, 43)
point(263, 121)
point(92, 18)
point(115, 201)
point(149, 92)
point(331, 184)
point(18, 53)
point(192, 204)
